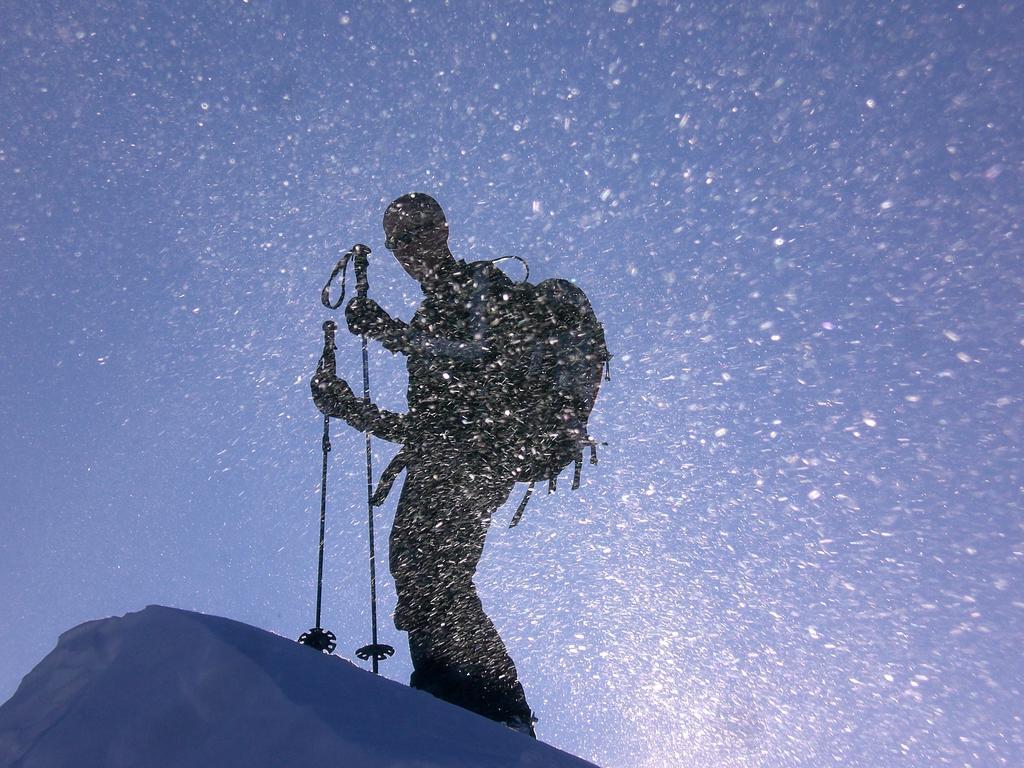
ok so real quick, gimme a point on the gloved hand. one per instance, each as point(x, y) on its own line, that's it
point(367, 317)
point(333, 397)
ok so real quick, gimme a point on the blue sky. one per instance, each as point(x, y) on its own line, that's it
point(800, 224)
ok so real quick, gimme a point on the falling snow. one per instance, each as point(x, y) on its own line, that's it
point(799, 223)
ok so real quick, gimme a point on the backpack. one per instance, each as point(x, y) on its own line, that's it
point(550, 357)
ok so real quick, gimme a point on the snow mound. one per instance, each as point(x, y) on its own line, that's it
point(165, 687)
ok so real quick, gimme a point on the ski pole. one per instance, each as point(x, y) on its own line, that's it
point(317, 637)
point(375, 651)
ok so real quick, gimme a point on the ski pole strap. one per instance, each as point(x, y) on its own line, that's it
point(522, 506)
point(339, 269)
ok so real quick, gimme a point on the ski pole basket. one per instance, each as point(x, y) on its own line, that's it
point(320, 639)
point(375, 651)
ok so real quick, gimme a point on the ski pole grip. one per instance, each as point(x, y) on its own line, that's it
point(328, 361)
point(361, 263)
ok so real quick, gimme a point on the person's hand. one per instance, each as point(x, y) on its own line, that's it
point(367, 317)
point(333, 396)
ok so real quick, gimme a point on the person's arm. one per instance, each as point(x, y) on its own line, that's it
point(334, 398)
point(366, 316)
point(387, 425)
point(477, 348)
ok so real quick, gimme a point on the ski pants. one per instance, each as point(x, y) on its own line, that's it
point(438, 537)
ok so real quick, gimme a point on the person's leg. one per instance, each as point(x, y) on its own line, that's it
point(436, 543)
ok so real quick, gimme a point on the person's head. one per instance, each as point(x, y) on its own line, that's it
point(416, 231)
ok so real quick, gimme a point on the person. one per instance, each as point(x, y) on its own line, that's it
point(456, 474)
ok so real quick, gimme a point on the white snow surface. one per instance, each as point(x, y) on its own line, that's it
point(165, 687)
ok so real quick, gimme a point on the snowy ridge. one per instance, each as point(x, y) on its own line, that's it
point(165, 687)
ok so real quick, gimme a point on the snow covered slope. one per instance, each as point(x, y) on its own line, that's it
point(165, 687)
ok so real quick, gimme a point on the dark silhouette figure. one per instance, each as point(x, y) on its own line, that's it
point(454, 456)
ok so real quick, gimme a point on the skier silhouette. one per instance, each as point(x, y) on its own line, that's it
point(456, 476)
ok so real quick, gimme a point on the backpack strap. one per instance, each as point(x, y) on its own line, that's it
point(522, 506)
point(388, 477)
